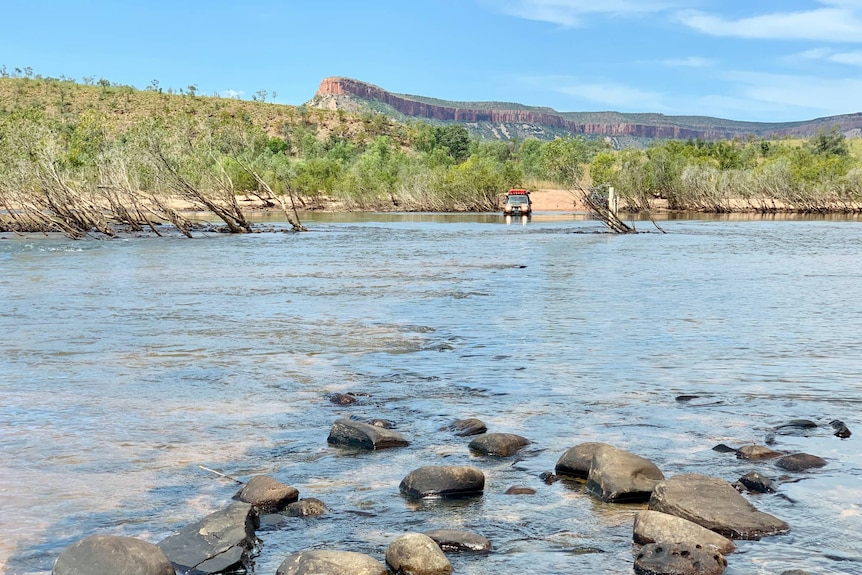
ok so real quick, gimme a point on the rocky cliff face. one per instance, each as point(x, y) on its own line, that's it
point(522, 122)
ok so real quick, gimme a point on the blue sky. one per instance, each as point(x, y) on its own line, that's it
point(758, 60)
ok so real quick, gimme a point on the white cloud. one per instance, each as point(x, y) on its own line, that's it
point(853, 58)
point(570, 13)
point(850, 58)
point(833, 21)
point(820, 96)
point(231, 94)
point(613, 96)
point(690, 62)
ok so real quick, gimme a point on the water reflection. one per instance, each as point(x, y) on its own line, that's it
point(522, 219)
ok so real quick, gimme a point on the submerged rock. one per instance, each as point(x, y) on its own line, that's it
point(454, 540)
point(678, 559)
point(267, 494)
point(498, 444)
point(617, 475)
point(800, 462)
point(417, 554)
point(446, 481)
point(756, 453)
point(468, 427)
point(520, 490)
point(112, 555)
point(722, 448)
point(342, 398)
point(219, 543)
point(841, 430)
point(351, 433)
point(714, 503)
point(310, 507)
point(802, 427)
point(576, 461)
point(757, 483)
point(656, 527)
point(331, 563)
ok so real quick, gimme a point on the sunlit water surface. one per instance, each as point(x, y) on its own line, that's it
point(127, 364)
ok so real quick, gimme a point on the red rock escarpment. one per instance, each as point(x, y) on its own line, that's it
point(414, 108)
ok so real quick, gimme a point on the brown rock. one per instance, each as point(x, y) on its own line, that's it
point(447, 481)
point(467, 427)
point(756, 453)
point(350, 433)
point(576, 461)
point(714, 503)
point(267, 494)
point(331, 563)
point(617, 475)
point(417, 554)
point(498, 444)
point(800, 462)
point(678, 559)
point(657, 527)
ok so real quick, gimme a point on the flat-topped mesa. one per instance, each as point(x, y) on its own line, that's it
point(336, 86)
point(526, 120)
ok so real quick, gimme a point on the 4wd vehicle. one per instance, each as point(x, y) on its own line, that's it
point(518, 203)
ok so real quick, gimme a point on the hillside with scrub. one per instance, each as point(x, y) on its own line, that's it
point(92, 156)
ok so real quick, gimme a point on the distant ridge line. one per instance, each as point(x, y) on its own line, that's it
point(664, 127)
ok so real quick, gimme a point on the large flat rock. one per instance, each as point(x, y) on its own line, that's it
point(324, 562)
point(350, 433)
point(218, 543)
point(444, 481)
point(714, 503)
point(657, 527)
point(112, 555)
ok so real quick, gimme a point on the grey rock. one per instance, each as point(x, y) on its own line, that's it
point(618, 476)
point(800, 462)
point(498, 444)
point(757, 483)
point(331, 563)
point(351, 433)
point(678, 559)
point(455, 540)
point(467, 427)
point(714, 503)
point(266, 493)
point(310, 507)
point(657, 527)
point(796, 572)
point(220, 542)
point(446, 481)
point(722, 448)
point(417, 554)
point(112, 555)
point(576, 461)
point(756, 453)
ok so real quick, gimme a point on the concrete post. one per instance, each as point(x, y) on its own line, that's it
point(613, 204)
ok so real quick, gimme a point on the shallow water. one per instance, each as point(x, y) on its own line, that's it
point(127, 364)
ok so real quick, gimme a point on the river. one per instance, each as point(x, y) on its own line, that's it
point(127, 364)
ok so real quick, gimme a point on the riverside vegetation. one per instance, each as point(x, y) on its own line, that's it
point(96, 157)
